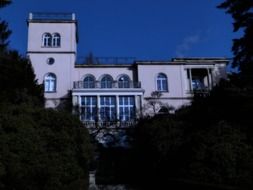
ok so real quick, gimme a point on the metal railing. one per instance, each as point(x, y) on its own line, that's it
point(51, 16)
point(91, 60)
point(98, 84)
point(109, 124)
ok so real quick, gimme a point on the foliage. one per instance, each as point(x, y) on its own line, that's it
point(208, 142)
point(17, 80)
point(39, 148)
point(4, 34)
point(157, 143)
point(4, 3)
point(4, 31)
point(242, 13)
point(42, 149)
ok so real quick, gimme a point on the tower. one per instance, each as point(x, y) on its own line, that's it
point(52, 48)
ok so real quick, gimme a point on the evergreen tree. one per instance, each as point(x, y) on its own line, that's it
point(39, 148)
point(4, 31)
point(3, 3)
point(17, 79)
point(42, 149)
point(242, 13)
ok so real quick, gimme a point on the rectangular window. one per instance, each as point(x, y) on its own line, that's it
point(108, 108)
point(88, 108)
point(126, 108)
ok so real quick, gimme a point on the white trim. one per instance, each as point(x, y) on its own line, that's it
point(110, 93)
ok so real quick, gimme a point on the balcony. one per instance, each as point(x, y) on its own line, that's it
point(109, 124)
point(101, 85)
point(39, 16)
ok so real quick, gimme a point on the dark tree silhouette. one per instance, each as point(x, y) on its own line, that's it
point(3, 3)
point(4, 31)
point(39, 148)
point(242, 13)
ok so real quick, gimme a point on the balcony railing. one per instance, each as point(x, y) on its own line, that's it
point(92, 60)
point(52, 16)
point(109, 124)
point(200, 92)
point(99, 84)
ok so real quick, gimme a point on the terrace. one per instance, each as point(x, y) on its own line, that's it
point(39, 16)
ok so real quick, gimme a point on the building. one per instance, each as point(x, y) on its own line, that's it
point(113, 91)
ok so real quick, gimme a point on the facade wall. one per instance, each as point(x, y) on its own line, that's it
point(183, 76)
point(98, 72)
point(62, 68)
point(67, 30)
point(62, 52)
point(175, 94)
point(147, 74)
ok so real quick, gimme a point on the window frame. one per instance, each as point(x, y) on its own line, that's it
point(88, 108)
point(162, 83)
point(126, 106)
point(108, 108)
point(124, 83)
point(50, 81)
point(106, 83)
point(56, 40)
point(90, 83)
point(46, 40)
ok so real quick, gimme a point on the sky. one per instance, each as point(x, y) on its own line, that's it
point(143, 29)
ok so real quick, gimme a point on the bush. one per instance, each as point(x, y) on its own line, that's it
point(42, 149)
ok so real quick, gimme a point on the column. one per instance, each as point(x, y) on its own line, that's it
point(117, 107)
point(80, 107)
point(137, 105)
point(190, 79)
point(98, 108)
point(210, 78)
point(75, 100)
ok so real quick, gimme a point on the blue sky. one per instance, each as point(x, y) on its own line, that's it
point(144, 29)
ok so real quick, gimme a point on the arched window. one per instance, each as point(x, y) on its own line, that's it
point(161, 82)
point(124, 81)
point(56, 42)
point(50, 82)
point(106, 81)
point(46, 40)
point(89, 81)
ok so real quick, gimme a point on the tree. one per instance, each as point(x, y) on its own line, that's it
point(242, 13)
point(3, 3)
point(4, 34)
point(4, 31)
point(17, 80)
point(39, 148)
point(42, 149)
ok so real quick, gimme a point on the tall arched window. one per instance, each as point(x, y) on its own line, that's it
point(106, 81)
point(161, 82)
point(46, 40)
point(89, 81)
point(124, 81)
point(50, 82)
point(56, 42)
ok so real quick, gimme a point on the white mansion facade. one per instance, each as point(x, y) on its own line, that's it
point(115, 91)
